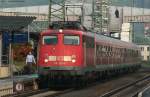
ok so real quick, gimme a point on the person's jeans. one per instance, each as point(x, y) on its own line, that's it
point(30, 67)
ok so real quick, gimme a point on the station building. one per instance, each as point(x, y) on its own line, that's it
point(9, 25)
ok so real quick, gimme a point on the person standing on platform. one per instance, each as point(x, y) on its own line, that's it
point(30, 61)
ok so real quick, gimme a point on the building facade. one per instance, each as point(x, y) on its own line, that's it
point(145, 52)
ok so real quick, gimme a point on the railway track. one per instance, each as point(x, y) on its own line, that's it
point(104, 87)
point(120, 92)
point(52, 93)
point(95, 90)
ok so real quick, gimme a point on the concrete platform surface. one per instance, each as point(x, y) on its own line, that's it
point(25, 77)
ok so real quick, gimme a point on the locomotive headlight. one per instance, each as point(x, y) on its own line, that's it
point(73, 57)
point(60, 30)
point(46, 60)
point(73, 60)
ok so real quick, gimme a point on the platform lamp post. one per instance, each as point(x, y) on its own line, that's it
point(11, 53)
point(28, 33)
point(131, 21)
point(143, 5)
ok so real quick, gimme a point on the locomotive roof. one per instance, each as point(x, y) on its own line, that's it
point(101, 38)
point(75, 27)
point(66, 25)
point(109, 40)
point(117, 42)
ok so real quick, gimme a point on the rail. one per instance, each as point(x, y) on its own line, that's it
point(115, 91)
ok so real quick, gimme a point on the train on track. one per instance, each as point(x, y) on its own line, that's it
point(69, 51)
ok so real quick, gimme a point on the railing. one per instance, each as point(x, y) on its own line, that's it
point(137, 18)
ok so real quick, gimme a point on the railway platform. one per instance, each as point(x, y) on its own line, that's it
point(6, 87)
point(18, 84)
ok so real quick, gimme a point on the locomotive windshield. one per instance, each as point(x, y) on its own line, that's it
point(71, 40)
point(50, 40)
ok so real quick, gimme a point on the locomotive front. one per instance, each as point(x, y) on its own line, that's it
point(60, 52)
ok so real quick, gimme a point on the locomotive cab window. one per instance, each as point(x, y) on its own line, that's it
point(50, 40)
point(71, 40)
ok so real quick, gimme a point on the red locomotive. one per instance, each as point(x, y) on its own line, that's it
point(68, 50)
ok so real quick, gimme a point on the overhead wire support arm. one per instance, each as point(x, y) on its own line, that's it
point(57, 13)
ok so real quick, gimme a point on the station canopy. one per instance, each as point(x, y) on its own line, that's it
point(14, 23)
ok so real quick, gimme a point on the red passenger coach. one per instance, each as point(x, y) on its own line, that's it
point(67, 49)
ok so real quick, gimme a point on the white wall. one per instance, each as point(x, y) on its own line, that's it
point(125, 32)
point(144, 52)
point(115, 23)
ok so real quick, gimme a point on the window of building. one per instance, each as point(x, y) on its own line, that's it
point(142, 48)
point(148, 48)
point(142, 57)
point(147, 57)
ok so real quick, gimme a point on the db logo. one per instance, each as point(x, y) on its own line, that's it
point(19, 87)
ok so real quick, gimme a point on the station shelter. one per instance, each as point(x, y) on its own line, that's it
point(10, 24)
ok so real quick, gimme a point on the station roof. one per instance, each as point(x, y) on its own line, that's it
point(13, 23)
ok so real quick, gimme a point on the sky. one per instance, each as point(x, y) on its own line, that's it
point(21, 3)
